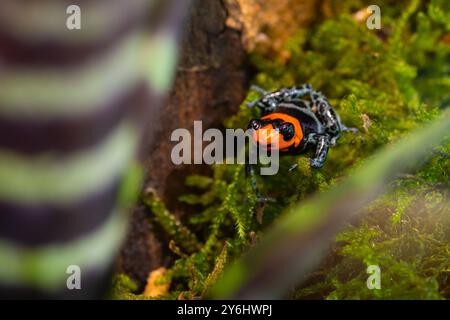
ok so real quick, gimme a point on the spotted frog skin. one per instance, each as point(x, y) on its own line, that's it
point(299, 119)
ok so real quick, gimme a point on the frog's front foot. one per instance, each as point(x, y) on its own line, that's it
point(316, 163)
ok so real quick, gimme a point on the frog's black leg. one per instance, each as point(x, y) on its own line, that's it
point(250, 173)
point(270, 100)
point(266, 105)
point(297, 93)
point(294, 94)
point(326, 114)
point(322, 143)
point(328, 117)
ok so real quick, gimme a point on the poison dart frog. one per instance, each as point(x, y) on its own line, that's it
point(298, 120)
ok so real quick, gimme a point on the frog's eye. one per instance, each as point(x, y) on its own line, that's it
point(255, 124)
point(287, 130)
point(276, 124)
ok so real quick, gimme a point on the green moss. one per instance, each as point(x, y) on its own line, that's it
point(123, 288)
point(386, 83)
point(411, 250)
point(182, 235)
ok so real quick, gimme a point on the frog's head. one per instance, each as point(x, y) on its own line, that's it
point(276, 130)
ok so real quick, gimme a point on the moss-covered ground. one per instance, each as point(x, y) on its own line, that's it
point(384, 82)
